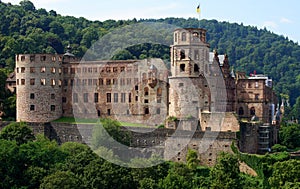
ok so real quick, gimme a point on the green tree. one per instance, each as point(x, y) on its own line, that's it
point(27, 5)
point(61, 179)
point(284, 173)
point(106, 132)
point(225, 174)
point(18, 132)
point(289, 135)
point(192, 159)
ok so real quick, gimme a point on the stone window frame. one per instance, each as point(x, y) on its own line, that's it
point(32, 96)
point(52, 108)
point(85, 97)
point(23, 81)
point(32, 107)
point(96, 97)
point(116, 97)
point(32, 81)
point(108, 97)
point(75, 97)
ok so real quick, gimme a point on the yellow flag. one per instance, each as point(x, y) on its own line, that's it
point(198, 9)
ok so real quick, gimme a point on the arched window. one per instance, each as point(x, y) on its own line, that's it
point(241, 111)
point(175, 37)
point(252, 111)
point(196, 37)
point(146, 91)
point(183, 36)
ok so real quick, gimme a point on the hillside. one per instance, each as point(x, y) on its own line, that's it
point(25, 29)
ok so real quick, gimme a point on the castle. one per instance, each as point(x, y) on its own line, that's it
point(200, 89)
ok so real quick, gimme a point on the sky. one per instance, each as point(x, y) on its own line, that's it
point(280, 17)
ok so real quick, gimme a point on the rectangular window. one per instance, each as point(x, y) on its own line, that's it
point(196, 55)
point(90, 82)
point(65, 82)
point(52, 82)
point(43, 81)
point(128, 81)
point(108, 69)
point(22, 81)
point(32, 81)
point(17, 70)
point(158, 111)
point(116, 97)
point(53, 70)
point(52, 96)
point(146, 101)
point(95, 70)
point(122, 81)
point(43, 58)
point(108, 112)
point(136, 98)
point(72, 70)
point(22, 69)
point(123, 97)
point(32, 58)
point(32, 70)
point(256, 84)
point(115, 69)
point(108, 81)
point(64, 99)
point(84, 82)
point(32, 96)
point(52, 108)
point(96, 97)
point(32, 107)
point(71, 82)
point(129, 97)
point(17, 81)
point(108, 97)
point(66, 70)
point(256, 96)
point(22, 58)
point(90, 70)
point(75, 97)
point(59, 83)
point(85, 97)
point(122, 69)
point(100, 81)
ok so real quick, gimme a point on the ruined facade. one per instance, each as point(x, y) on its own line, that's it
point(200, 84)
point(200, 92)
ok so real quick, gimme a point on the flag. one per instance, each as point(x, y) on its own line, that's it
point(198, 9)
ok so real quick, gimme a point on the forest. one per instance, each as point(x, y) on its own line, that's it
point(29, 161)
point(25, 29)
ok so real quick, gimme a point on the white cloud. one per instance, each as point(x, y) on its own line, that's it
point(286, 21)
point(270, 24)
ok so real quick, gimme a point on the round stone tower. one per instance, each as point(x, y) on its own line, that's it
point(189, 91)
point(39, 92)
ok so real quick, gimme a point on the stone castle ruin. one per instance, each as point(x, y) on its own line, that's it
point(199, 93)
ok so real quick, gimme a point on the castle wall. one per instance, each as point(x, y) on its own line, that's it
point(165, 141)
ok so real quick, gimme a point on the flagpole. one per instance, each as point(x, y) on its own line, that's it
point(199, 12)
